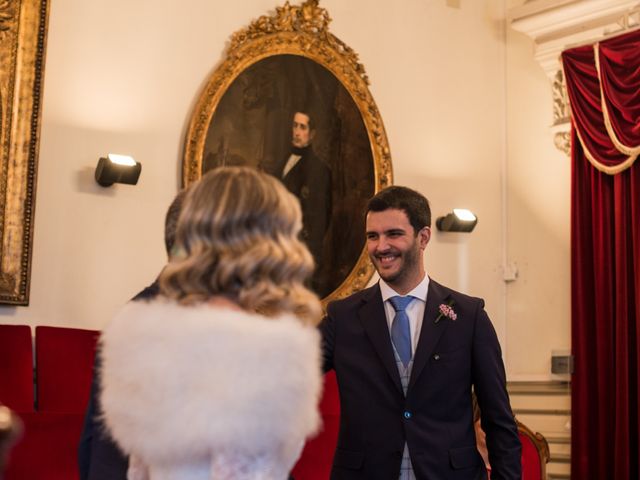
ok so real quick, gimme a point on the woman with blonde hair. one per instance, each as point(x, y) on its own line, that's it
point(220, 377)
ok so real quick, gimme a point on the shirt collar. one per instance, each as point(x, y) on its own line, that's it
point(419, 292)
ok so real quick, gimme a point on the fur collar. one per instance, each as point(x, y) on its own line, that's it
point(181, 382)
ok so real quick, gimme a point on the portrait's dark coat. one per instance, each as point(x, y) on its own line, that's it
point(310, 181)
point(435, 418)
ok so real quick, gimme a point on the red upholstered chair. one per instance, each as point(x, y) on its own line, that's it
point(49, 446)
point(16, 367)
point(64, 364)
point(317, 456)
point(48, 449)
point(11, 428)
point(535, 453)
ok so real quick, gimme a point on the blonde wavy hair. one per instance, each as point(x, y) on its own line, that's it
point(237, 237)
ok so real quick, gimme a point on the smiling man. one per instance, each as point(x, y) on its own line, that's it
point(407, 353)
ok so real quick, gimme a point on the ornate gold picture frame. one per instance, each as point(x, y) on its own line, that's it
point(23, 30)
point(280, 66)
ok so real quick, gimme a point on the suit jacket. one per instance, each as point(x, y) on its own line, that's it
point(435, 418)
point(99, 458)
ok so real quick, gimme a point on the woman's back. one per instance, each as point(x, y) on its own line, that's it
point(206, 389)
point(220, 377)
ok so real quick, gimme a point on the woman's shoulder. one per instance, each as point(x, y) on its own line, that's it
point(167, 322)
point(208, 368)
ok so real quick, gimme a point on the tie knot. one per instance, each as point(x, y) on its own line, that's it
point(400, 303)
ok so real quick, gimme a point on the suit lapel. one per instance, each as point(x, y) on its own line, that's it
point(430, 332)
point(374, 322)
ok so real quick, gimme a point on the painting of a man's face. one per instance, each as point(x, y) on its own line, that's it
point(302, 133)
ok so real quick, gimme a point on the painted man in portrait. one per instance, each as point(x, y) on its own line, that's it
point(309, 178)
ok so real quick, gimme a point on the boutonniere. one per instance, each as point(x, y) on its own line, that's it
point(446, 310)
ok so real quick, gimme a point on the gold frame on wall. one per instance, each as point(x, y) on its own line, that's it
point(23, 30)
point(297, 31)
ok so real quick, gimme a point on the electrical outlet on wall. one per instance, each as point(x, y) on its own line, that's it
point(510, 272)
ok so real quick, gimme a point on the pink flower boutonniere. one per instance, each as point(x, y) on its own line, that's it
point(447, 311)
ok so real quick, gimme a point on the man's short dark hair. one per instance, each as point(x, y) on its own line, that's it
point(414, 204)
point(171, 220)
point(312, 124)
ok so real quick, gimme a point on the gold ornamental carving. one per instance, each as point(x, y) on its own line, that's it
point(562, 141)
point(23, 27)
point(561, 114)
point(561, 109)
point(6, 15)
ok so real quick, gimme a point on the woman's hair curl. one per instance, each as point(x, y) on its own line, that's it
point(237, 237)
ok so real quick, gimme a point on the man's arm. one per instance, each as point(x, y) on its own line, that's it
point(99, 458)
point(327, 330)
point(86, 437)
point(496, 416)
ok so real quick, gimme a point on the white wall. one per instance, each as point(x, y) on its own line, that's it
point(538, 221)
point(123, 76)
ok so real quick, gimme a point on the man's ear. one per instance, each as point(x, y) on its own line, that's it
point(424, 236)
point(312, 133)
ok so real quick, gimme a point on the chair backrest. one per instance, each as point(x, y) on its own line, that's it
point(64, 366)
point(317, 457)
point(535, 453)
point(16, 367)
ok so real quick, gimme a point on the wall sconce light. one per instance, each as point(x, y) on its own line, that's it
point(117, 169)
point(461, 220)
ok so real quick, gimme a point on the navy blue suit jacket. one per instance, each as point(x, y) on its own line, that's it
point(99, 458)
point(435, 418)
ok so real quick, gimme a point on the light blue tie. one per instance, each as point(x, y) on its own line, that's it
point(400, 330)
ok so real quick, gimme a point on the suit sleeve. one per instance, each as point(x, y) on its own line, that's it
point(99, 458)
point(327, 330)
point(497, 418)
point(86, 437)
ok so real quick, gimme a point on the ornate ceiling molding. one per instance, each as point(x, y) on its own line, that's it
point(555, 25)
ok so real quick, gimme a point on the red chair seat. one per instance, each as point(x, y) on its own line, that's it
point(535, 453)
point(317, 457)
point(48, 449)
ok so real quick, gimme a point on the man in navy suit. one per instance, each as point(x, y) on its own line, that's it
point(407, 353)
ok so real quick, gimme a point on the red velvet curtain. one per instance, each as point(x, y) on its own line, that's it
point(603, 82)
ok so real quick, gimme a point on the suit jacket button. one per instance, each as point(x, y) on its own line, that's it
point(407, 415)
point(436, 357)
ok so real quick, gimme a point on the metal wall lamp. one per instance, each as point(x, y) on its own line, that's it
point(460, 220)
point(116, 168)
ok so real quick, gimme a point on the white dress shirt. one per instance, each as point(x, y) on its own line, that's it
point(291, 162)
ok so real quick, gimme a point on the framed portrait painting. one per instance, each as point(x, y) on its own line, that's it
point(292, 100)
point(23, 30)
